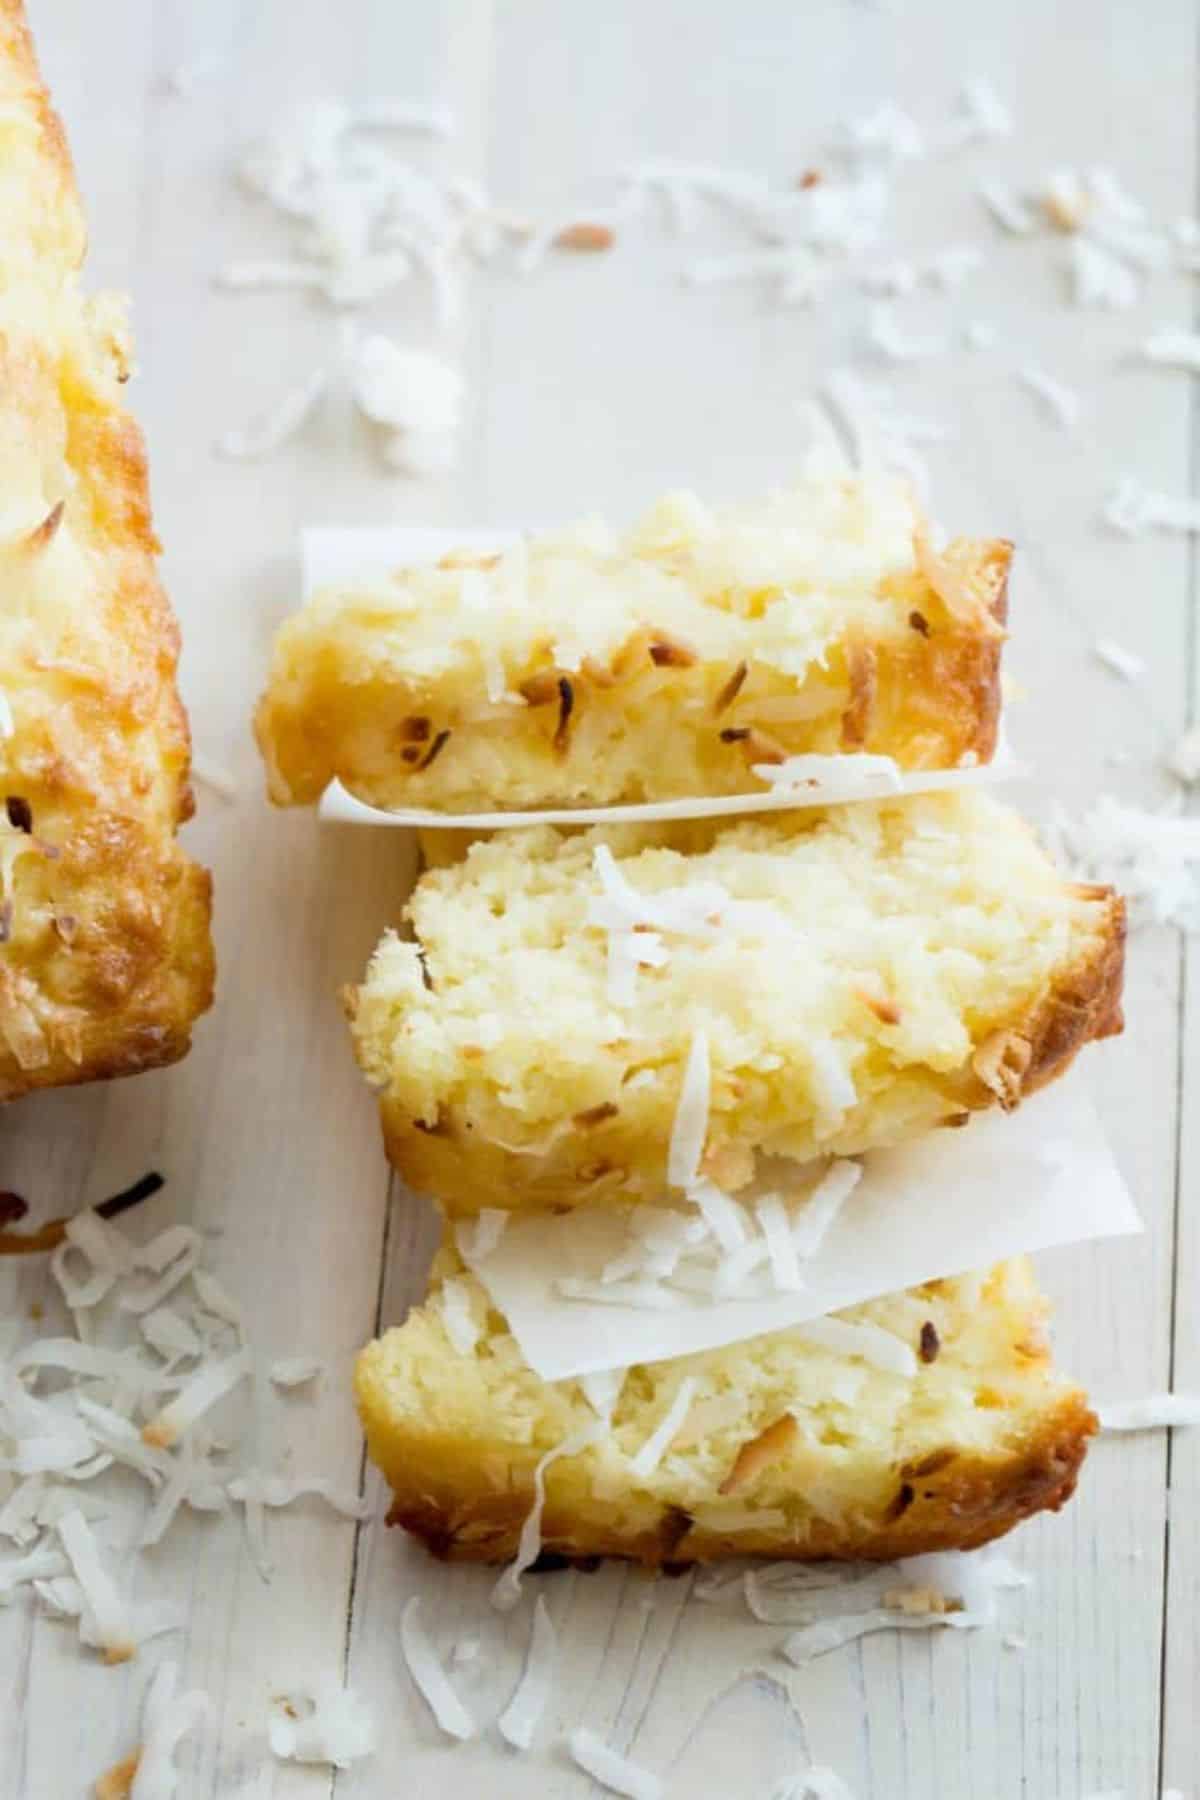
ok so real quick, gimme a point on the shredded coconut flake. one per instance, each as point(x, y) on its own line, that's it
point(391, 114)
point(295, 1371)
point(880, 1348)
point(1151, 857)
point(831, 1634)
point(408, 390)
point(1155, 1412)
point(429, 1675)
point(273, 429)
point(1060, 402)
point(215, 1300)
point(519, 1720)
point(877, 436)
point(36, 1566)
point(102, 1247)
point(422, 454)
point(172, 1256)
point(656, 1445)
point(1099, 278)
point(811, 1226)
point(982, 115)
point(462, 1328)
point(507, 1590)
point(723, 1216)
point(166, 1331)
point(167, 1718)
point(955, 1589)
point(330, 1725)
point(781, 1246)
point(612, 1771)
point(885, 335)
point(203, 1392)
point(783, 1595)
point(282, 1490)
point(1122, 662)
point(602, 1389)
point(876, 774)
point(122, 1440)
point(691, 1117)
point(1008, 209)
point(113, 1628)
point(888, 133)
point(1133, 509)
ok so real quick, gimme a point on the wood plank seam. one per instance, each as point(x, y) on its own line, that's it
point(1189, 701)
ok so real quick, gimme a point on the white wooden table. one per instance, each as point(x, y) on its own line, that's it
point(594, 386)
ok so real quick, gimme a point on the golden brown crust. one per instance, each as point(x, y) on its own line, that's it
point(1083, 1006)
point(957, 1503)
point(106, 957)
point(946, 680)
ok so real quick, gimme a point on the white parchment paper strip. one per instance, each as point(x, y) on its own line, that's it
point(952, 1201)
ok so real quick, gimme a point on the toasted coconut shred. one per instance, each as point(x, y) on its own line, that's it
point(113, 1628)
point(167, 1718)
point(953, 1588)
point(330, 1724)
point(168, 1426)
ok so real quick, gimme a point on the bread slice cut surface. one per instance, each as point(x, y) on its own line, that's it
point(927, 1420)
point(691, 656)
point(857, 975)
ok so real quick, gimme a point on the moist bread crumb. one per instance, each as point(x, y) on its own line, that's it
point(869, 972)
point(873, 1465)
